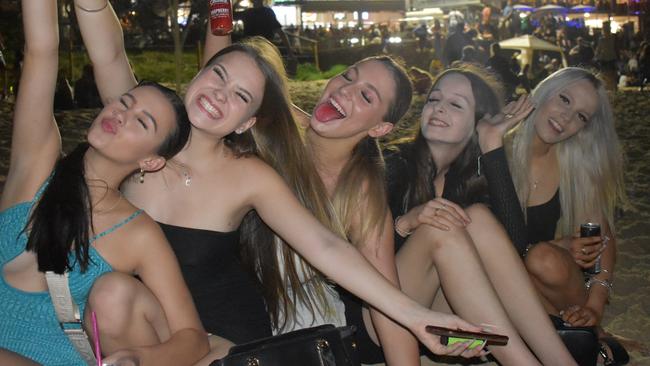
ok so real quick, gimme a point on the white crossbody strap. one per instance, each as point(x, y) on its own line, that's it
point(67, 312)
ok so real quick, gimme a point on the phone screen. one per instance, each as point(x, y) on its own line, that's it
point(451, 336)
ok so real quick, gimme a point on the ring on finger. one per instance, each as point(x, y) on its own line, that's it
point(509, 115)
point(583, 250)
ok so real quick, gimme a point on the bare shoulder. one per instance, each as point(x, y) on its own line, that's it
point(144, 229)
point(255, 170)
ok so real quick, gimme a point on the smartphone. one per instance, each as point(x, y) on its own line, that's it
point(452, 336)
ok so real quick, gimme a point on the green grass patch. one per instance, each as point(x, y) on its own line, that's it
point(147, 65)
point(308, 72)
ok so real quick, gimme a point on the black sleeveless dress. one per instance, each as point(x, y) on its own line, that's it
point(226, 295)
point(542, 220)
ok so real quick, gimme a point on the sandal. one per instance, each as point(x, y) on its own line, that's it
point(612, 352)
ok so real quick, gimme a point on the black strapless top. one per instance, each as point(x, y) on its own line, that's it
point(226, 295)
point(542, 220)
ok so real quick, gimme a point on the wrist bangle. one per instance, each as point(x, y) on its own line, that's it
point(91, 10)
point(605, 283)
point(401, 232)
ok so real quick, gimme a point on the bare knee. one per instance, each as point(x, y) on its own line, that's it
point(547, 264)
point(112, 298)
point(437, 240)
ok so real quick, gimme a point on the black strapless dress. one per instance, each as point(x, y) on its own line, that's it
point(226, 295)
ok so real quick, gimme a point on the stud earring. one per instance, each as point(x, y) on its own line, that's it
point(141, 175)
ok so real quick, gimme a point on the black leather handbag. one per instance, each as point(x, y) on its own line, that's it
point(582, 342)
point(324, 345)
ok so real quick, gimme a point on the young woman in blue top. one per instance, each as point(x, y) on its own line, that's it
point(66, 215)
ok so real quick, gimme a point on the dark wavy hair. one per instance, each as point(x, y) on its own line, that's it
point(60, 222)
point(469, 187)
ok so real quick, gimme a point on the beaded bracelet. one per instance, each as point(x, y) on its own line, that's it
point(401, 233)
point(92, 10)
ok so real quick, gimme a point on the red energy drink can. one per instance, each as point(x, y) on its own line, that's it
point(220, 17)
point(588, 230)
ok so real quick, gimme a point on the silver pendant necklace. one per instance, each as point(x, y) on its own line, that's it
point(188, 177)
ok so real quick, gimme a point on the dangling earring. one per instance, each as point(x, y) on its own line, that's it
point(141, 175)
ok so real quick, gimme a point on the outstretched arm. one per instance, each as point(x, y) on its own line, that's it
point(340, 261)
point(36, 143)
point(102, 35)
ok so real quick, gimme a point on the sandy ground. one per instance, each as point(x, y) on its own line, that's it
point(628, 314)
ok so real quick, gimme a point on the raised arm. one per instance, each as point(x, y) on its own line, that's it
point(504, 202)
point(36, 144)
point(102, 35)
point(339, 260)
point(213, 44)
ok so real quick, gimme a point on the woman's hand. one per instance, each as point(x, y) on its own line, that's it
point(439, 213)
point(127, 357)
point(585, 251)
point(491, 129)
point(450, 321)
point(580, 316)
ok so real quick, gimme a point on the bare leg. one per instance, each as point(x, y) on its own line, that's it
point(128, 314)
point(514, 287)
point(556, 276)
point(10, 358)
point(432, 256)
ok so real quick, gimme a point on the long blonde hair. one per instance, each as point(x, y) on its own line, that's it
point(367, 165)
point(590, 162)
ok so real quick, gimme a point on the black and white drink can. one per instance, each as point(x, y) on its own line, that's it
point(588, 230)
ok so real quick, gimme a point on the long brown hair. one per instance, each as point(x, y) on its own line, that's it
point(276, 139)
point(488, 96)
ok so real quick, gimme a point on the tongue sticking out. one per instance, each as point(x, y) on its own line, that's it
point(326, 112)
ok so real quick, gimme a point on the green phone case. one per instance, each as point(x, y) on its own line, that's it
point(475, 342)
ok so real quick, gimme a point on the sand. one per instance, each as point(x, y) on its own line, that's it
point(627, 316)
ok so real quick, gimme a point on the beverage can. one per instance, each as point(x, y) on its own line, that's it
point(220, 17)
point(588, 230)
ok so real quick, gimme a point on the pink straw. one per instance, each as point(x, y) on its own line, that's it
point(98, 352)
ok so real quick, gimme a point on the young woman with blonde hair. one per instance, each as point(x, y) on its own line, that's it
point(567, 169)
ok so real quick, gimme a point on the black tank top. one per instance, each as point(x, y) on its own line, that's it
point(542, 220)
point(226, 295)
